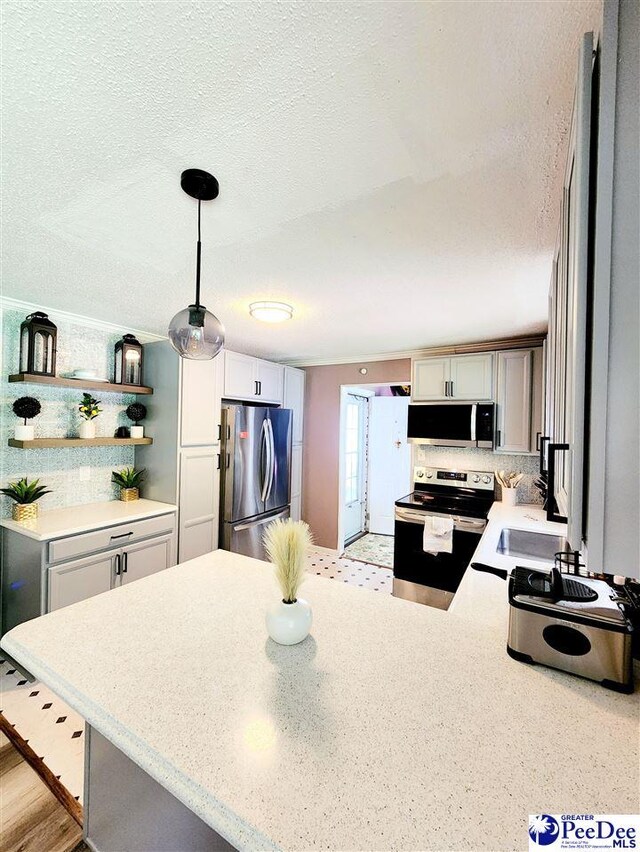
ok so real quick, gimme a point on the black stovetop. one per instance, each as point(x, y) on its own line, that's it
point(464, 502)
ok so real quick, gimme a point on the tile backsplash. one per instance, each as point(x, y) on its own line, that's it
point(60, 469)
point(476, 459)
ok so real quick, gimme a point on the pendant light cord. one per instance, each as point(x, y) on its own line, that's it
point(198, 260)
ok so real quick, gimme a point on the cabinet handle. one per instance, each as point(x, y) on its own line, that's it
point(219, 431)
point(451, 389)
point(446, 388)
point(117, 564)
point(499, 438)
point(544, 439)
point(218, 468)
point(538, 436)
point(125, 560)
point(259, 388)
point(122, 535)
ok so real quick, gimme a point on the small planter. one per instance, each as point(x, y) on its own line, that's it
point(137, 431)
point(87, 429)
point(509, 496)
point(289, 623)
point(128, 494)
point(23, 512)
point(24, 432)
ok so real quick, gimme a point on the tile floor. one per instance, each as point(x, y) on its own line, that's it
point(53, 730)
point(56, 732)
point(372, 548)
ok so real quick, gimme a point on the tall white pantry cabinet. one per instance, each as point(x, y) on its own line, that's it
point(183, 463)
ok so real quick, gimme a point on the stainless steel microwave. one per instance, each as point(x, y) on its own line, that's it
point(452, 425)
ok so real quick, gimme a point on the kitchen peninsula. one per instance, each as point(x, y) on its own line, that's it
point(393, 726)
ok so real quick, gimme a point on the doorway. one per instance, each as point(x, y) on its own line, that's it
point(375, 469)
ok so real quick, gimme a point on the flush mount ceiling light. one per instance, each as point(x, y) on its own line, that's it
point(270, 311)
point(195, 333)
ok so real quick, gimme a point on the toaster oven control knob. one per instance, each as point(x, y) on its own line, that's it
point(429, 474)
point(419, 473)
point(486, 479)
point(475, 478)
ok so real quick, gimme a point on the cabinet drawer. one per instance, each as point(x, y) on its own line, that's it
point(116, 536)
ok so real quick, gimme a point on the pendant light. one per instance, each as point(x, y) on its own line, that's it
point(195, 333)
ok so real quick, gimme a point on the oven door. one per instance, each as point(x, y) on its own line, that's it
point(425, 577)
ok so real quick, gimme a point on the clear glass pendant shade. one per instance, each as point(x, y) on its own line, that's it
point(196, 333)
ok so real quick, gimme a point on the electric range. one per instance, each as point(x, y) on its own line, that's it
point(463, 495)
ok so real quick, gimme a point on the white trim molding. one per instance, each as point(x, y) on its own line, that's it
point(9, 304)
point(524, 342)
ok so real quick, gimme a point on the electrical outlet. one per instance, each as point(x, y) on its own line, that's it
point(84, 474)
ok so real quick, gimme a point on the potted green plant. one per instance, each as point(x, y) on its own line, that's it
point(26, 408)
point(89, 410)
point(128, 479)
point(137, 412)
point(25, 494)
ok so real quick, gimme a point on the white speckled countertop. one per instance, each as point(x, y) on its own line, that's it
point(482, 597)
point(393, 726)
point(57, 523)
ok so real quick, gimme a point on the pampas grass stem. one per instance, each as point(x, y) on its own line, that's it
point(286, 543)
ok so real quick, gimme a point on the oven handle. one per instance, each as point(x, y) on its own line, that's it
point(416, 517)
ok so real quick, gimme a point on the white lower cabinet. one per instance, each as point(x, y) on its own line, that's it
point(199, 501)
point(83, 578)
point(70, 582)
point(148, 557)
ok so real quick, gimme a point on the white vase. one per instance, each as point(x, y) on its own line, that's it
point(289, 623)
point(87, 429)
point(137, 431)
point(509, 496)
point(24, 432)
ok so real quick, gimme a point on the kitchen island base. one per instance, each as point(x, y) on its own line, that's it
point(124, 808)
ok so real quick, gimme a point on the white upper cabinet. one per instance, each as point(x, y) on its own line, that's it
point(270, 379)
point(251, 378)
point(294, 399)
point(240, 376)
point(430, 378)
point(200, 409)
point(471, 376)
point(514, 401)
point(455, 378)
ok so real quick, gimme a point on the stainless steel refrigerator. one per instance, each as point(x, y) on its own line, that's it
point(255, 480)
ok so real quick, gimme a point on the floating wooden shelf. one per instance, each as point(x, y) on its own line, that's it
point(44, 443)
point(81, 384)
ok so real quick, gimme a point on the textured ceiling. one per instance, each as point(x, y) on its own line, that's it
point(391, 169)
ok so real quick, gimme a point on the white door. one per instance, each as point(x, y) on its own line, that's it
point(471, 376)
point(294, 399)
point(515, 368)
point(430, 379)
point(389, 460)
point(296, 481)
point(148, 557)
point(199, 501)
point(355, 467)
point(270, 382)
point(200, 409)
point(240, 376)
point(75, 581)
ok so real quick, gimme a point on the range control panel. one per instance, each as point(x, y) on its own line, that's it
point(455, 478)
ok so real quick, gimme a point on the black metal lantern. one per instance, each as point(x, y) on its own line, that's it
point(128, 369)
point(38, 344)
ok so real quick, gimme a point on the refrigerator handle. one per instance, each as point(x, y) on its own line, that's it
point(272, 458)
point(265, 451)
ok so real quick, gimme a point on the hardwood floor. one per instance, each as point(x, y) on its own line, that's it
point(31, 818)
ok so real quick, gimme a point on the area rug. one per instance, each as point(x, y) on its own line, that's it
point(372, 548)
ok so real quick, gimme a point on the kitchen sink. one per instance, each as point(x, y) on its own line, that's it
point(532, 545)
